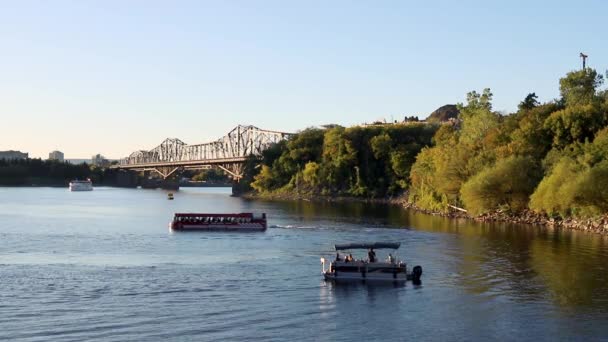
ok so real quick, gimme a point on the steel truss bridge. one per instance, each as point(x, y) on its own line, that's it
point(229, 153)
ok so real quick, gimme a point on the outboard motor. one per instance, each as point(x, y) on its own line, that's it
point(416, 273)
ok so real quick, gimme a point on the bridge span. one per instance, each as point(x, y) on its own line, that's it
point(229, 153)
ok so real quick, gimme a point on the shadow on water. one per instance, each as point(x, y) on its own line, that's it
point(370, 214)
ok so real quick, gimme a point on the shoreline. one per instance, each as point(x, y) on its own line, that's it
point(66, 185)
point(596, 225)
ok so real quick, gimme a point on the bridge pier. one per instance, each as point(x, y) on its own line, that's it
point(237, 188)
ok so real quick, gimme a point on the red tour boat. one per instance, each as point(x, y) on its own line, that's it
point(248, 222)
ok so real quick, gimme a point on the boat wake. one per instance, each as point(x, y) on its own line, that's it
point(290, 226)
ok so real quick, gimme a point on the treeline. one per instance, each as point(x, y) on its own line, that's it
point(209, 175)
point(550, 157)
point(372, 161)
point(48, 172)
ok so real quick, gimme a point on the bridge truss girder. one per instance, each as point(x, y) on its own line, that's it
point(240, 142)
point(165, 172)
point(228, 153)
point(234, 168)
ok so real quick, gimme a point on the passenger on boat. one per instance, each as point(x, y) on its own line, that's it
point(338, 257)
point(350, 258)
point(371, 255)
point(391, 260)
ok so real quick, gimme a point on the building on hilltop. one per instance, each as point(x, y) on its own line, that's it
point(408, 120)
point(56, 155)
point(13, 155)
point(99, 160)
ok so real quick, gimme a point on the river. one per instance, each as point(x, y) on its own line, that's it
point(103, 266)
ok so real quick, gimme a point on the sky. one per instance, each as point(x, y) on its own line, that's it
point(112, 77)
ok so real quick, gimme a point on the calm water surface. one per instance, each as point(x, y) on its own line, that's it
point(102, 265)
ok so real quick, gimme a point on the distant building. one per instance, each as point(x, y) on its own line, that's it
point(12, 155)
point(99, 160)
point(56, 155)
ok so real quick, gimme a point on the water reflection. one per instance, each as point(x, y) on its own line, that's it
point(573, 268)
point(349, 297)
point(521, 262)
point(369, 214)
point(481, 281)
point(528, 263)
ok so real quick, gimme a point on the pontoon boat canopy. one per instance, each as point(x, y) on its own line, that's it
point(375, 245)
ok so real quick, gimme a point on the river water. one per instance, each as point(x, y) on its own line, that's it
point(103, 265)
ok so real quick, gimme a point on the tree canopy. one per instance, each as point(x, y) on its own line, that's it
point(550, 157)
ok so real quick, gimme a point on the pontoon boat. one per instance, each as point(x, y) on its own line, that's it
point(346, 267)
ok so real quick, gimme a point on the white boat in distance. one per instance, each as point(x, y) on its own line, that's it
point(81, 185)
point(348, 268)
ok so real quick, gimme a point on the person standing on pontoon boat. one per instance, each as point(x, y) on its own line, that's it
point(371, 255)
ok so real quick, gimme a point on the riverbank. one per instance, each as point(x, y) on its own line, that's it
point(34, 182)
point(598, 225)
point(60, 184)
point(192, 184)
point(400, 200)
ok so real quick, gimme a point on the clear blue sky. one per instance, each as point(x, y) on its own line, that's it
point(112, 77)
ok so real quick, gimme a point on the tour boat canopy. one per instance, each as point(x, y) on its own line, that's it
point(374, 245)
point(249, 215)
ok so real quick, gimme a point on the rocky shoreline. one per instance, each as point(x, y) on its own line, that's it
point(598, 225)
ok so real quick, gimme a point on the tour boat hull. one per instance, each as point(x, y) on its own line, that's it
point(214, 227)
point(243, 222)
point(81, 185)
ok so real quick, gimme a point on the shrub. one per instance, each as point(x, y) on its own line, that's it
point(508, 184)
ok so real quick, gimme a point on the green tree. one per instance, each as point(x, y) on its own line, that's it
point(575, 123)
point(532, 136)
point(579, 87)
point(477, 118)
point(306, 146)
point(211, 175)
point(575, 184)
point(265, 180)
point(338, 161)
point(381, 145)
point(506, 185)
point(423, 191)
point(310, 174)
point(530, 102)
